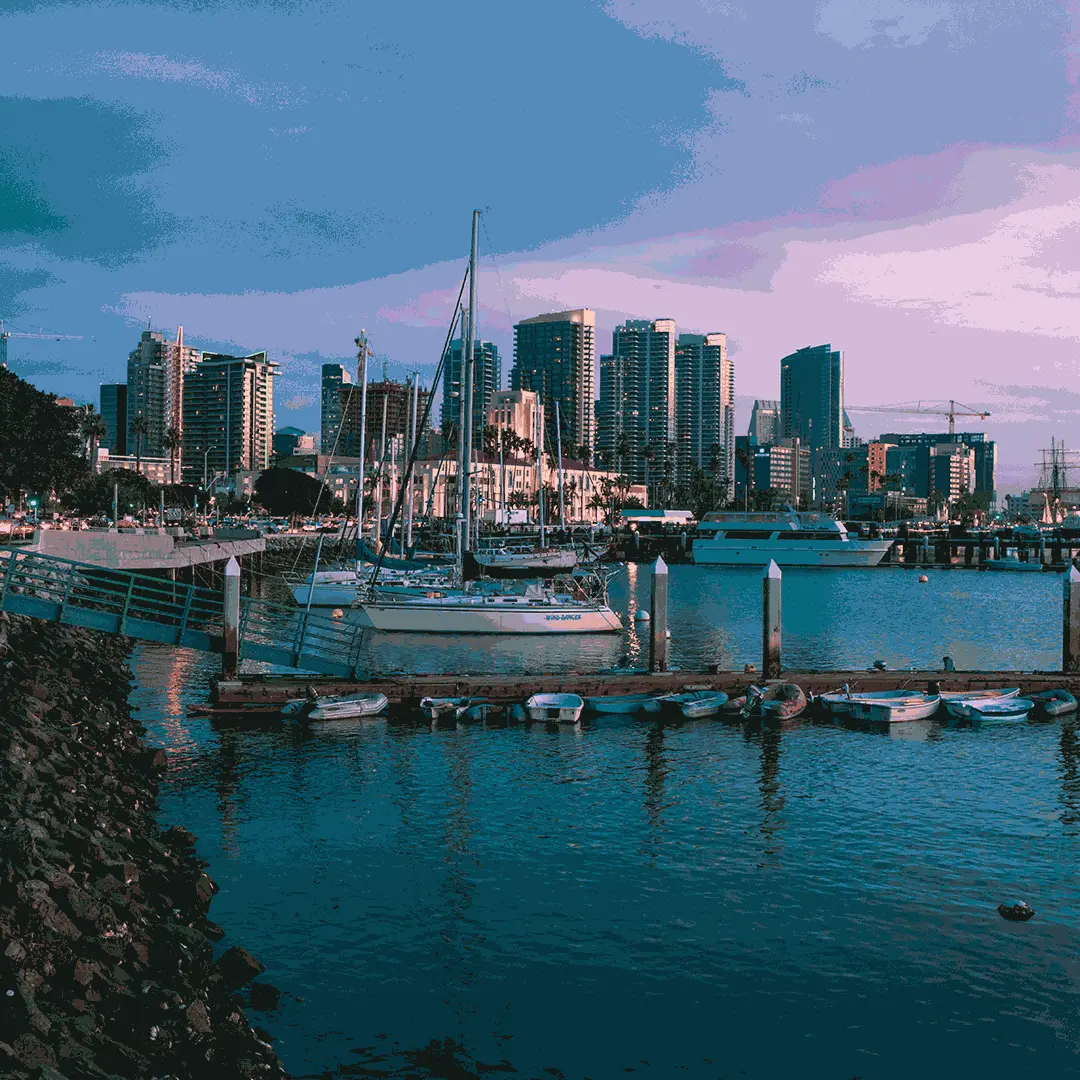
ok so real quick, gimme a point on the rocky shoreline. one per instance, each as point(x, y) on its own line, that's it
point(107, 965)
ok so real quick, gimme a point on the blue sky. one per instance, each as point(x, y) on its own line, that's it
point(897, 178)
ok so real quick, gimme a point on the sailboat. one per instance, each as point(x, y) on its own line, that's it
point(566, 608)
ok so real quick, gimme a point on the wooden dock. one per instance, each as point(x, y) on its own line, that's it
point(267, 693)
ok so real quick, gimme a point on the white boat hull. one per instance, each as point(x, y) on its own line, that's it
point(325, 595)
point(486, 617)
point(790, 553)
point(892, 712)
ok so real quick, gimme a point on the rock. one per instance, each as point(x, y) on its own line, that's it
point(198, 1018)
point(264, 996)
point(1020, 911)
point(238, 967)
point(211, 930)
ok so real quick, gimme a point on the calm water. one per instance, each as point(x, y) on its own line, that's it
point(701, 901)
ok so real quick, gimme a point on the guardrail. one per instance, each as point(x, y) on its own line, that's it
point(156, 609)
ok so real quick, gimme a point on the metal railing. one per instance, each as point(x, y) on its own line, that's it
point(156, 609)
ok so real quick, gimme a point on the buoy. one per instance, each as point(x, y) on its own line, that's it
point(641, 615)
point(667, 633)
point(337, 613)
point(923, 579)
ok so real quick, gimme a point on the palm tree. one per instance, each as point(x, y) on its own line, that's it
point(140, 428)
point(173, 442)
point(745, 458)
point(92, 428)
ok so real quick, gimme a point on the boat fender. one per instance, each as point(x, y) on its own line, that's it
point(516, 714)
point(1018, 911)
point(923, 579)
point(337, 613)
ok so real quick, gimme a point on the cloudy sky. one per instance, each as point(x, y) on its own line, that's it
point(898, 177)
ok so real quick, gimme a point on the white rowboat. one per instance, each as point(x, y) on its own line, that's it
point(348, 706)
point(564, 708)
point(894, 710)
point(697, 704)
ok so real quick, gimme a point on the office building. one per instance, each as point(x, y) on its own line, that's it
point(334, 377)
point(228, 416)
point(487, 379)
point(704, 408)
point(952, 470)
point(914, 458)
point(113, 408)
point(555, 356)
point(812, 397)
point(854, 470)
point(293, 440)
point(764, 423)
point(783, 471)
point(155, 388)
point(516, 411)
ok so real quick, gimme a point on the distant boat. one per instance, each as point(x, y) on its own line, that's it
point(564, 708)
point(1011, 562)
point(624, 704)
point(696, 704)
point(524, 562)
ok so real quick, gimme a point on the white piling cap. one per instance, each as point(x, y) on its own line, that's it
point(232, 568)
point(661, 566)
point(772, 570)
point(1074, 575)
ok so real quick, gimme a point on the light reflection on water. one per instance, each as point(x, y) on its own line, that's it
point(701, 900)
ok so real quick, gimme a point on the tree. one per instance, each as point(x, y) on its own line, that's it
point(94, 493)
point(91, 427)
point(284, 492)
point(173, 443)
point(140, 428)
point(40, 443)
point(745, 457)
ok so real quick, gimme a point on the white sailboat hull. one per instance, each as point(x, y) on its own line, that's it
point(486, 616)
point(328, 594)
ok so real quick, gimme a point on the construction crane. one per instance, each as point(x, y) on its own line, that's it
point(955, 409)
point(5, 334)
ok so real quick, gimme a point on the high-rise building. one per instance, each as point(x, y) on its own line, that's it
point(334, 377)
point(784, 470)
point(516, 411)
point(555, 355)
point(917, 468)
point(113, 409)
point(637, 400)
point(155, 380)
point(487, 378)
point(764, 423)
point(704, 407)
point(228, 416)
point(812, 397)
point(397, 397)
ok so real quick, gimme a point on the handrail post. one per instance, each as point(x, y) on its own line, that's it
point(189, 591)
point(770, 621)
point(1070, 634)
point(9, 574)
point(127, 604)
point(230, 652)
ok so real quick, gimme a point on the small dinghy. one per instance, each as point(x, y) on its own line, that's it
point(779, 701)
point(1054, 702)
point(561, 708)
point(982, 710)
point(696, 704)
point(1019, 911)
point(436, 707)
point(883, 706)
point(841, 702)
point(623, 704)
point(977, 695)
point(347, 707)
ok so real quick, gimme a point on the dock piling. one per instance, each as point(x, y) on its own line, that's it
point(770, 622)
point(230, 652)
point(658, 638)
point(1070, 637)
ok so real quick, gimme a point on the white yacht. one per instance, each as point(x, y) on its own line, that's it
point(788, 538)
point(537, 611)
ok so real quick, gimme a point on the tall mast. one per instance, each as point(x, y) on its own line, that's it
point(382, 465)
point(361, 378)
point(558, 444)
point(412, 448)
point(468, 359)
point(502, 476)
point(540, 471)
point(460, 478)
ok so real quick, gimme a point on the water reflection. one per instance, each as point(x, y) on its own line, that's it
point(772, 800)
point(1069, 746)
point(656, 771)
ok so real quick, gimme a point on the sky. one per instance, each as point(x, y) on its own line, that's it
point(900, 178)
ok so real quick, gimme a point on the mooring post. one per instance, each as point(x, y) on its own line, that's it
point(770, 622)
point(1070, 627)
point(658, 639)
point(230, 653)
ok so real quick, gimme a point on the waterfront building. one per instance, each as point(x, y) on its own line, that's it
point(487, 379)
point(764, 423)
point(917, 459)
point(155, 469)
point(516, 411)
point(952, 470)
point(113, 408)
point(555, 355)
point(228, 416)
point(704, 408)
point(339, 472)
point(156, 371)
point(784, 470)
point(854, 470)
point(334, 377)
point(812, 397)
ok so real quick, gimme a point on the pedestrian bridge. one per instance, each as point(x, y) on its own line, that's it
point(167, 612)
